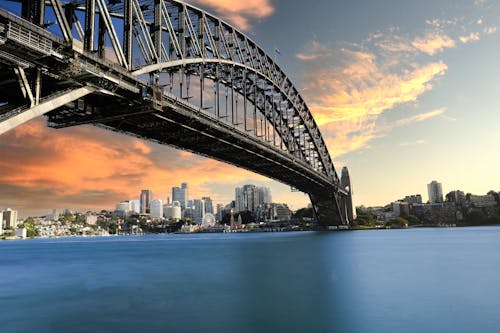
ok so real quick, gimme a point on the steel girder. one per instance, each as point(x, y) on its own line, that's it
point(164, 44)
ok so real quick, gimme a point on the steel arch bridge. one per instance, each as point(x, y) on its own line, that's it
point(168, 72)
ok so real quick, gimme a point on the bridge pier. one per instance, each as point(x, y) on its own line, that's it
point(328, 209)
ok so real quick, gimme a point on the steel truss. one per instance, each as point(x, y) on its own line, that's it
point(152, 56)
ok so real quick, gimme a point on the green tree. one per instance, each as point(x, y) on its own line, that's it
point(476, 217)
point(401, 222)
point(303, 212)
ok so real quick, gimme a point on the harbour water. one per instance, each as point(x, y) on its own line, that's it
point(418, 280)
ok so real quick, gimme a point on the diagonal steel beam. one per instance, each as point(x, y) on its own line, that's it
point(46, 105)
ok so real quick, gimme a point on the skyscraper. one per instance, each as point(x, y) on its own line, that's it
point(181, 194)
point(250, 197)
point(10, 218)
point(145, 201)
point(199, 210)
point(209, 208)
point(435, 191)
point(345, 182)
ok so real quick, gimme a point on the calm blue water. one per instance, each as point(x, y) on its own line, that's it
point(425, 280)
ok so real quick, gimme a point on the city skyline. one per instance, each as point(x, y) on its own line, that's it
point(406, 96)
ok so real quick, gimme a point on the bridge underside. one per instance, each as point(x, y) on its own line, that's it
point(176, 125)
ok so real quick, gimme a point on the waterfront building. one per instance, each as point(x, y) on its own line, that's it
point(1, 222)
point(435, 192)
point(181, 194)
point(345, 182)
point(156, 208)
point(10, 218)
point(400, 208)
point(145, 201)
point(20, 232)
point(481, 201)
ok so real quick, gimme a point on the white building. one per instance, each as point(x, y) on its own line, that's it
point(482, 200)
point(435, 191)
point(1, 222)
point(10, 218)
point(173, 211)
point(20, 232)
point(90, 219)
point(156, 208)
point(124, 208)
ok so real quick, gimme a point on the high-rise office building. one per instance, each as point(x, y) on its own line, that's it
point(157, 208)
point(199, 210)
point(435, 191)
point(10, 218)
point(145, 201)
point(250, 197)
point(181, 194)
point(345, 182)
point(220, 209)
point(209, 208)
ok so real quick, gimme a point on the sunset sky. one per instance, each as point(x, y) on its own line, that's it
point(405, 92)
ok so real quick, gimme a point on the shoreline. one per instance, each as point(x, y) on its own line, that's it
point(14, 238)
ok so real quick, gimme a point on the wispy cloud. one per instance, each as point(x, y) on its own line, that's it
point(412, 143)
point(490, 30)
point(240, 13)
point(419, 117)
point(433, 43)
point(349, 86)
point(473, 36)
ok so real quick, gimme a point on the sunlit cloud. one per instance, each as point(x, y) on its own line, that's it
point(87, 167)
point(348, 89)
point(419, 117)
point(240, 13)
point(433, 43)
point(490, 30)
point(471, 37)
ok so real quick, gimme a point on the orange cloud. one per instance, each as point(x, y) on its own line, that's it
point(348, 90)
point(239, 12)
point(86, 167)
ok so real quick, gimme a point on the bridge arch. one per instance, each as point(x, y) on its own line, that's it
point(166, 37)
